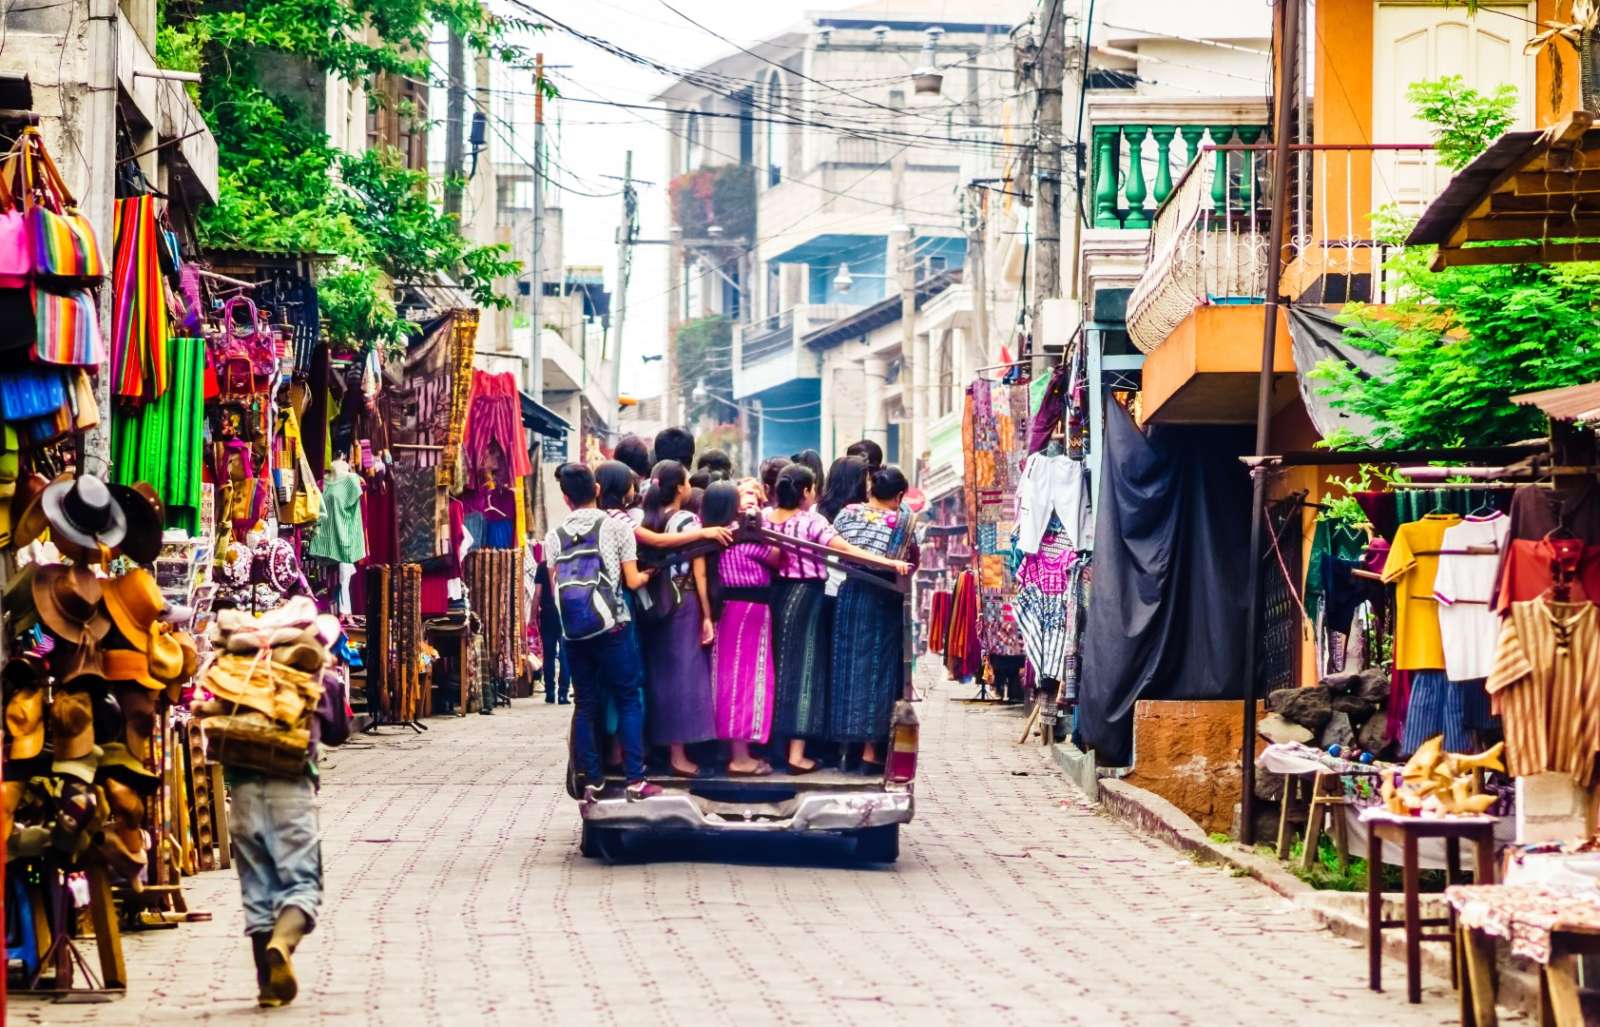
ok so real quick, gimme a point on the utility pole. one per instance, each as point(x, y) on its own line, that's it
point(1287, 16)
point(454, 126)
point(534, 369)
point(1047, 114)
point(910, 367)
point(625, 234)
point(977, 251)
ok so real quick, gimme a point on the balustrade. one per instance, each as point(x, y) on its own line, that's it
point(1121, 184)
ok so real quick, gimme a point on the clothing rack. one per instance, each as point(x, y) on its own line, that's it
point(1469, 551)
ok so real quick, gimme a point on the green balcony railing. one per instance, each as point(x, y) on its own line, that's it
point(1134, 167)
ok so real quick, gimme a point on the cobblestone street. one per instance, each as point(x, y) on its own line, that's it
point(456, 896)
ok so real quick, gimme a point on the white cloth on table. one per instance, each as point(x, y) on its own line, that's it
point(1052, 485)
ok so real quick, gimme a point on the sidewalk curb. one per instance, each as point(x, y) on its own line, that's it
point(1152, 816)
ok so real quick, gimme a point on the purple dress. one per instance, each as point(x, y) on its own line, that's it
point(679, 698)
point(742, 654)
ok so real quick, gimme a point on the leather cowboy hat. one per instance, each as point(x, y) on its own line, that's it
point(138, 718)
point(25, 723)
point(72, 717)
point(82, 512)
point(146, 519)
point(80, 666)
point(166, 655)
point(191, 654)
point(119, 764)
point(68, 601)
point(135, 602)
point(129, 665)
point(27, 516)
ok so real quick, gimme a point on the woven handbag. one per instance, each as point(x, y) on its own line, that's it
point(66, 327)
point(64, 242)
point(16, 255)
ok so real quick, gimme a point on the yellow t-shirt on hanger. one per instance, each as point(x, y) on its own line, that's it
point(1417, 645)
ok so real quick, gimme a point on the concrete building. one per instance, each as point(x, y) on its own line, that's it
point(820, 134)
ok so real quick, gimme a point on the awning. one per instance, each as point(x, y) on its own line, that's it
point(540, 418)
point(1573, 403)
point(1317, 336)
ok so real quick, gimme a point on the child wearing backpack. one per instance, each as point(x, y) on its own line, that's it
point(593, 558)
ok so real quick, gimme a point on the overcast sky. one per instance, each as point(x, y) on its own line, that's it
point(588, 141)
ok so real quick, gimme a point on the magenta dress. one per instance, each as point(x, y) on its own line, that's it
point(741, 657)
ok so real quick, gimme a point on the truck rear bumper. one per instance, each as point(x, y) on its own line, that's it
point(808, 811)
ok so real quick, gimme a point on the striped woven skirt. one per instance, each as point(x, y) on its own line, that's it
point(799, 659)
point(741, 665)
point(867, 663)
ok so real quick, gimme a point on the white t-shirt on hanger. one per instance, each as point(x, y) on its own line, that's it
point(1469, 630)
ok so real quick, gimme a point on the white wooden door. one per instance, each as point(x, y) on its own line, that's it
point(1413, 42)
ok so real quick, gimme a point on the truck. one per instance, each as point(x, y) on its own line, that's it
point(868, 809)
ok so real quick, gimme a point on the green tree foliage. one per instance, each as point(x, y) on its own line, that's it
point(1465, 339)
point(283, 186)
point(704, 350)
point(1465, 121)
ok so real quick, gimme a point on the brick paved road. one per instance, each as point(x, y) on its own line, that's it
point(456, 896)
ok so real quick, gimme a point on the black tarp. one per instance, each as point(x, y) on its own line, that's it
point(1316, 336)
point(1166, 615)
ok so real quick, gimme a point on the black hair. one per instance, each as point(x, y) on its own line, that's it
point(770, 467)
point(889, 483)
point(667, 478)
point(717, 462)
point(635, 453)
point(867, 450)
point(700, 479)
point(720, 505)
point(674, 444)
point(615, 480)
point(577, 483)
point(847, 483)
point(812, 459)
point(793, 481)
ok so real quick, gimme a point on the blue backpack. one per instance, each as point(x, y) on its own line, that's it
point(587, 599)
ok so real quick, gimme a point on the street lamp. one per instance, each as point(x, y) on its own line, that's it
point(928, 80)
point(844, 279)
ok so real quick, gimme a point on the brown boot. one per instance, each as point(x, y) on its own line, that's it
point(286, 935)
point(258, 949)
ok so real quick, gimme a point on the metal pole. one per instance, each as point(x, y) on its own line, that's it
point(1288, 16)
point(534, 369)
point(909, 403)
point(1047, 113)
point(624, 257)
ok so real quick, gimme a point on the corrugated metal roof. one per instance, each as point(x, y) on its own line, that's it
point(1573, 403)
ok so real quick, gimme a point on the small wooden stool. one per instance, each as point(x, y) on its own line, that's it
point(1405, 833)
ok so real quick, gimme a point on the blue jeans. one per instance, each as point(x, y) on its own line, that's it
point(277, 848)
point(606, 667)
point(555, 664)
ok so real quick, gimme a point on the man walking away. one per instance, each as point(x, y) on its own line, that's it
point(555, 664)
point(592, 557)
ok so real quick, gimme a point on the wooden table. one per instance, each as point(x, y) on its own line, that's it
point(458, 627)
point(1405, 833)
point(1559, 1004)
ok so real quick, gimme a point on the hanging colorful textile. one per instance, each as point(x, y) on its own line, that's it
point(161, 442)
point(138, 304)
point(994, 434)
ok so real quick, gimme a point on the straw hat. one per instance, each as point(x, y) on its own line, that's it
point(72, 717)
point(82, 512)
point(68, 601)
point(146, 519)
point(135, 602)
point(119, 764)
